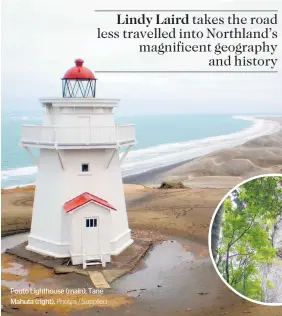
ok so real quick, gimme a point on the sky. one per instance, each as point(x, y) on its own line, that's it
point(42, 38)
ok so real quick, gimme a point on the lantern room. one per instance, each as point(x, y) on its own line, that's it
point(79, 82)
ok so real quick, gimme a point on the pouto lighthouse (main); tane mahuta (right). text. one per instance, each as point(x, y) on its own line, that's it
point(79, 206)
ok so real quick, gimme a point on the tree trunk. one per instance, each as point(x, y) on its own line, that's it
point(215, 233)
point(227, 264)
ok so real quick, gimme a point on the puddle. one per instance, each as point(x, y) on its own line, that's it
point(174, 275)
point(199, 250)
point(12, 241)
point(160, 262)
point(13, 274)
point(15, 268)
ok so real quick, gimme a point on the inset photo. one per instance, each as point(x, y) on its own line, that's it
point(245, 239)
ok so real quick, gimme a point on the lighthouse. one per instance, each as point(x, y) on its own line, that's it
point(79, 206)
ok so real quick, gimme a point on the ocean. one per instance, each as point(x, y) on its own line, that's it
point(161, 140)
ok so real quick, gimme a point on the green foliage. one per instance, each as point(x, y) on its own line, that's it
point(270, 284)
point(247, 228)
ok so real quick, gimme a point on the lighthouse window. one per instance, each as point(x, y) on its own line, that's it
point(91, 222)
point(85, 167)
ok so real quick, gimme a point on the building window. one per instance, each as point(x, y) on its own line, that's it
point(91, 222)
point(85, 167)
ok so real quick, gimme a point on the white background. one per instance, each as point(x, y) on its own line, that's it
point(41, 39)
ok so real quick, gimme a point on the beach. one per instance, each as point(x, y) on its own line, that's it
point(190, 286)
point(228, 166)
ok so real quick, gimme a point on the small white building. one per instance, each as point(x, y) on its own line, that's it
point(79, 207)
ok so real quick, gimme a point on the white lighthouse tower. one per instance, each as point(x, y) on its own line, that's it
point(79, 207)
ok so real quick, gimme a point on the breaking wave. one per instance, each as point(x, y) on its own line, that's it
point(18, 172)
point(142, 160)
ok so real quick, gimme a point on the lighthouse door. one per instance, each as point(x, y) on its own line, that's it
point(90, 237)
point(84, 129)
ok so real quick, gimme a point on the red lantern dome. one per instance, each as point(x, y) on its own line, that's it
point(79, 71)
point(79, 81)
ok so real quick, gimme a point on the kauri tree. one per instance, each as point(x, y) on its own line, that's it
point(245, 240)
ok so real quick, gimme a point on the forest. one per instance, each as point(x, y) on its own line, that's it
point(246, 239)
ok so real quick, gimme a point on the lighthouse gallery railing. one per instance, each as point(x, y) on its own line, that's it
point(76, 135)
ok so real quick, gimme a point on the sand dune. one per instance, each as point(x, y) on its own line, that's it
point(258, 156)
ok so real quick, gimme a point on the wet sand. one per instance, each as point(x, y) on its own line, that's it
point(152, 176)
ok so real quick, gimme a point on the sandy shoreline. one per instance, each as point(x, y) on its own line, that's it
point(256, 156)
point(150, 176)
point(151, 159)
point(230, 166)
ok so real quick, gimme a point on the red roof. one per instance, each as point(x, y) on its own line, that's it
point(83, 199)
point(79, 71)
